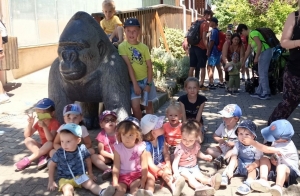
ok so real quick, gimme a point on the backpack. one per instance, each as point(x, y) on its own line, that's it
point(222, 39)
point(269, 36)
point(193, 35)
point(3, 33)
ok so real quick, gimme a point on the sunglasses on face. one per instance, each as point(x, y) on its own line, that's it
point(107, 120)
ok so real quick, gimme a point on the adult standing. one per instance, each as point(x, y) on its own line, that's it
point(214, 55)
point(197, 52)
point(235, 45)
point(263, 57)
point(4, 98)
point(290, 39)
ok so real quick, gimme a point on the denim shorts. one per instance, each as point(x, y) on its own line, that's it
point(241, 168)
point(191, 170)
point(142, 84)
point(214, 60)
point(115, 39)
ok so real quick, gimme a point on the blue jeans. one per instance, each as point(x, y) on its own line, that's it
point(264, 60)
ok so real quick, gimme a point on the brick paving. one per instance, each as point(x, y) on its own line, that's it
point(26, 91)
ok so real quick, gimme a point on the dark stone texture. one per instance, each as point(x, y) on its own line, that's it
point(88, 70)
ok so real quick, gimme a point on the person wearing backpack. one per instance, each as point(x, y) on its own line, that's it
point(197, 52)
point(263, 56)
point(290, 40)
point(214, 54)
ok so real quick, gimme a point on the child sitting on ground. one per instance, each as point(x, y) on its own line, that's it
point(192, 104)
point(137, 58)
point(159, 164)
point(73, 114)
point(283, 166)
point(106, 140)
point(225, 134)
point(233, 69)
point(244, 159)
point(46, 127)
point(71, 161)
point(111, 24)
point(172, 128)
point(130, 159)
point(185, 161)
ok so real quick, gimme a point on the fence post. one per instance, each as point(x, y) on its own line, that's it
point(161, 30)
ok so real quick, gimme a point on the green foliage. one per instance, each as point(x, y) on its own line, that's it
point(174, 39)
point(240, 11)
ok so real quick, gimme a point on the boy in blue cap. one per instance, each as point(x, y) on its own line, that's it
point(72, 160)
point(282, 167)
point(245, 158)
point(46, 127)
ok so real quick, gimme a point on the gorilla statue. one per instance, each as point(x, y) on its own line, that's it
point(88, 70)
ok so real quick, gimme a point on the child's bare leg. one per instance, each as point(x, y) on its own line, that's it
point(228, 154)
point(68, 190)
point(264, 169)
point(121, 190)
point(283, 173)
point(231, 167)
point(97, 160)
point(36, 149)
point(120, 33)
point(134, 186)
point(51, 153)
point(91, 151)
point(135, 104)
point(96, 189)
point(213, 151)
point(149, 108)
point(150, 182)
point(191, 180)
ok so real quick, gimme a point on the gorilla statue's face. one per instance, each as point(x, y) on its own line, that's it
point(77, 50)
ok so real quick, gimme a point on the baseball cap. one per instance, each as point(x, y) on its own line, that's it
point(214, 19)
point(132, 22)
point(73, 128)
point(231, 110)
point(248, 124)
point(279, 129)
point(44, 104)
point(72, 109)
point(106, 113)
point(151, 122)
point(230, 26)
point(133, 120)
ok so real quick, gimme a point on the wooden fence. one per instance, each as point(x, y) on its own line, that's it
point(11, 60)
point(169, 16)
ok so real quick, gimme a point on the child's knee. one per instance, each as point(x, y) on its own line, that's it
point(282, 168)
point(91, 151)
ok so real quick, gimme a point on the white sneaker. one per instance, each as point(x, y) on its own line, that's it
point(261, 186)
point(4, 98)
point(276, 190)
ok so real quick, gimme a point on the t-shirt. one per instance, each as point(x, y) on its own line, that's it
point(84, 130)
point(138, 55)
point(130, 157)
point(226, 134)
point(249, 153)
point(214, 36)
point(252, 42)
point(235, 68)
point(109, 25)
point(188, 156)
point(52, 127)
point(289, 155)
point(73, 159)
point(108, 141)
point(203, 28)
point(157, 152)
point(172, 134)
point(191, 109)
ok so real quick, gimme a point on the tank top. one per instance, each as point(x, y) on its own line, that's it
point(293, 64)
point(231, 51)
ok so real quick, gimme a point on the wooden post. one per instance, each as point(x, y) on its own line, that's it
point(161, 30)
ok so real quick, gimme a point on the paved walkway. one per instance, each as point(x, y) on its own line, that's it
point(26, 91)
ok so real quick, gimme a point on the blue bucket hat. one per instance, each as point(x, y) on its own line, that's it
point(44, 104)
point(279, 129)
point(248, 124)
point(73, 128)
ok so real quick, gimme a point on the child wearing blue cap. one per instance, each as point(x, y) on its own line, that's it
point(72, 160)
point(282, 167)
point(46, 127)
point(244, 159)
point(225, 134)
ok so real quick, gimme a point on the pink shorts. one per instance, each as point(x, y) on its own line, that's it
point(128, 178)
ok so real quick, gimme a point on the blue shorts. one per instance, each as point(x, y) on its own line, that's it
point(142, 84)
point(115, 39)
point(214, 60)
point(198, 57)
point(191, 170)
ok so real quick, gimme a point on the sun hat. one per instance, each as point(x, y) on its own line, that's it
point(279, 129)
point(44, 104)
point(72, 109)
point(248, 124)
point(231, 110)
point(73, 128)
point(151, 122)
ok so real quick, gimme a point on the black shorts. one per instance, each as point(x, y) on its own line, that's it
point(291, 180)
point(198, 57)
